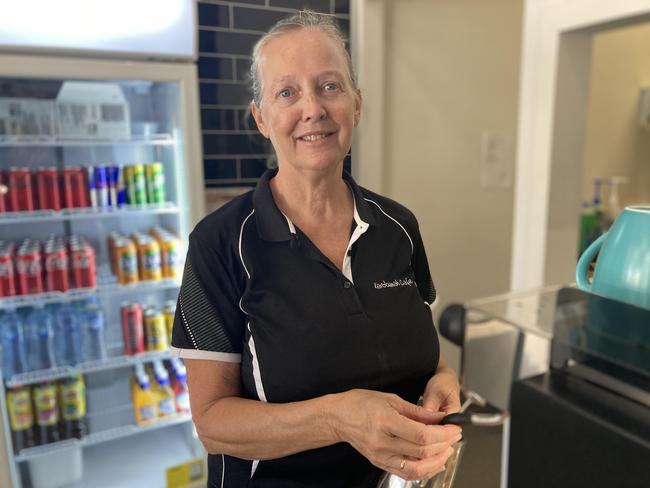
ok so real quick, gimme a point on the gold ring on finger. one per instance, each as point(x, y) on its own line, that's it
point(402, 464)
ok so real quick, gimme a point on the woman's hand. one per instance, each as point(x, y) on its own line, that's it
point(442, 393)
point(393, 434)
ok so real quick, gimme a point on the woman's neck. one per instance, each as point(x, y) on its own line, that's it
point(307, 195)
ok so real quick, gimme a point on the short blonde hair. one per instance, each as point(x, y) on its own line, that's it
point(304, 19)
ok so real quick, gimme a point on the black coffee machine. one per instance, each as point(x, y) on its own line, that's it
point(585, 420)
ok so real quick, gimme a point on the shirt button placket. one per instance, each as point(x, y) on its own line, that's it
point(347, 285)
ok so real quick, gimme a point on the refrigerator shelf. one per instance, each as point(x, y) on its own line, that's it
point(99, 437)
point(39, 299)
point(49, 141)
point(53, 374)
point(86, 213)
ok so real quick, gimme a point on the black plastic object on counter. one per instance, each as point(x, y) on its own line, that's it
point(452, 323)
point(568, 432)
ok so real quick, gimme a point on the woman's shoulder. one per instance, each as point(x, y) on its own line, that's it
point(382, 205)
point(225, 222)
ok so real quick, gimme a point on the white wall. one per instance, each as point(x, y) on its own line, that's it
point(436, 75)
point(615, 144)
point(449, 73)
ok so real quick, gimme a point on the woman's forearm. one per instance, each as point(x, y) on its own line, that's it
point(250, 429)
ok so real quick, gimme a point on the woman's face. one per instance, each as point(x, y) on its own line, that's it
point(309, 106)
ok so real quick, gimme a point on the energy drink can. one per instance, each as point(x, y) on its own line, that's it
point(169, 312)
point(21, 195)
point(29, 269)
point(132, 328)
point(136, 185)
point(112, 184)
point(148, 258)
point(155, 176)
point(170, 255)
point(155, 330)
point(4, 189)
point(7, 272)
point(92, 187)
point(101, 186)
point(56, 266)
point(126, 261)
point(47, 189)
point(117, 191)
point(75, 189)
point(84, 271)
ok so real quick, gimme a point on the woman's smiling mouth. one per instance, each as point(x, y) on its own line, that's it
point(314, 137)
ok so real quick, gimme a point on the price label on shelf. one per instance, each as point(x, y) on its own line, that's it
point(191, 473)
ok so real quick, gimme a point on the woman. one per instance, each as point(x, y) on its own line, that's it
point(304, 314)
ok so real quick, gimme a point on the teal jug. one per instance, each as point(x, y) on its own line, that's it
point(615, 330)
point(623, 266)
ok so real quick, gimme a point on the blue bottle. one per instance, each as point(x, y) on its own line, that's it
point(39, 340)
point(12, 343)
point(67, 336)
point(92, 331)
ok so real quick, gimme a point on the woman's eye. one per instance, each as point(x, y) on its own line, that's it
point(285, 93)
point(331, 86)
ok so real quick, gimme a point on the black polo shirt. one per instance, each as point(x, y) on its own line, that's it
point(257, 291)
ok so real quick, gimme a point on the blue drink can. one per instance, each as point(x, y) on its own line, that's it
point(92, 186)
point(117, 187)
point(101, 184)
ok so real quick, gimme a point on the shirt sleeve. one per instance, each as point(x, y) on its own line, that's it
point(421, 270)
point(209, 323)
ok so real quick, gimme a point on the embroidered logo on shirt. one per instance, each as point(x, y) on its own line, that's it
point(395, 283)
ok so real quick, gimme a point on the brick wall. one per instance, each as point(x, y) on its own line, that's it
point(235, 154)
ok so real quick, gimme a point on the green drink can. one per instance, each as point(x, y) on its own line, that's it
point(136, 184)
point(156, 192)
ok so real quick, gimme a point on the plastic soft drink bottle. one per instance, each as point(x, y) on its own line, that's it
point(12, 343)
point(39, 340)
point(21, 417)
point(47, 412)
point(73, 407)
point(67, 336)
point(162, 390)
point(145, 406)
point(94, 345)
point(178, 376)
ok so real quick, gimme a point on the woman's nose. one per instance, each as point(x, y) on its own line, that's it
point(313, 108)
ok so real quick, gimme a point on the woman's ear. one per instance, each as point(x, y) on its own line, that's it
point(357, 107)
point(259, 120)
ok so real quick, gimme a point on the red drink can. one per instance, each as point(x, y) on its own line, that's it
point(21, 196)
point(7, 274)
point(84, 271)
point(132, 328)
point(56, 267)
point(29, 269)
point(75, 188)
point(4, 189)
point(47, 188)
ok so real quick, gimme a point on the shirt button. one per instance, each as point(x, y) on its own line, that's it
point(346, 284)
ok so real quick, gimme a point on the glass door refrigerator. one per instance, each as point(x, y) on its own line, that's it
point(102, 181)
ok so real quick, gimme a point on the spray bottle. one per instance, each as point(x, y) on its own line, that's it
point(613, 207)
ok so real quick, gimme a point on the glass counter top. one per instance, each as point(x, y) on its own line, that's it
point(533, 311)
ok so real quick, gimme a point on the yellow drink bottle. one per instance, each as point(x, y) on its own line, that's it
point(162, 390)
point(145, 403)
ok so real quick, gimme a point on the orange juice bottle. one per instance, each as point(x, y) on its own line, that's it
point(145, 404)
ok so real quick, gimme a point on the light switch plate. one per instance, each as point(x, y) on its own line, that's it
point(496, 169)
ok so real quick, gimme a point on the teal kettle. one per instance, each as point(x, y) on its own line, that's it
point(623, 266)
